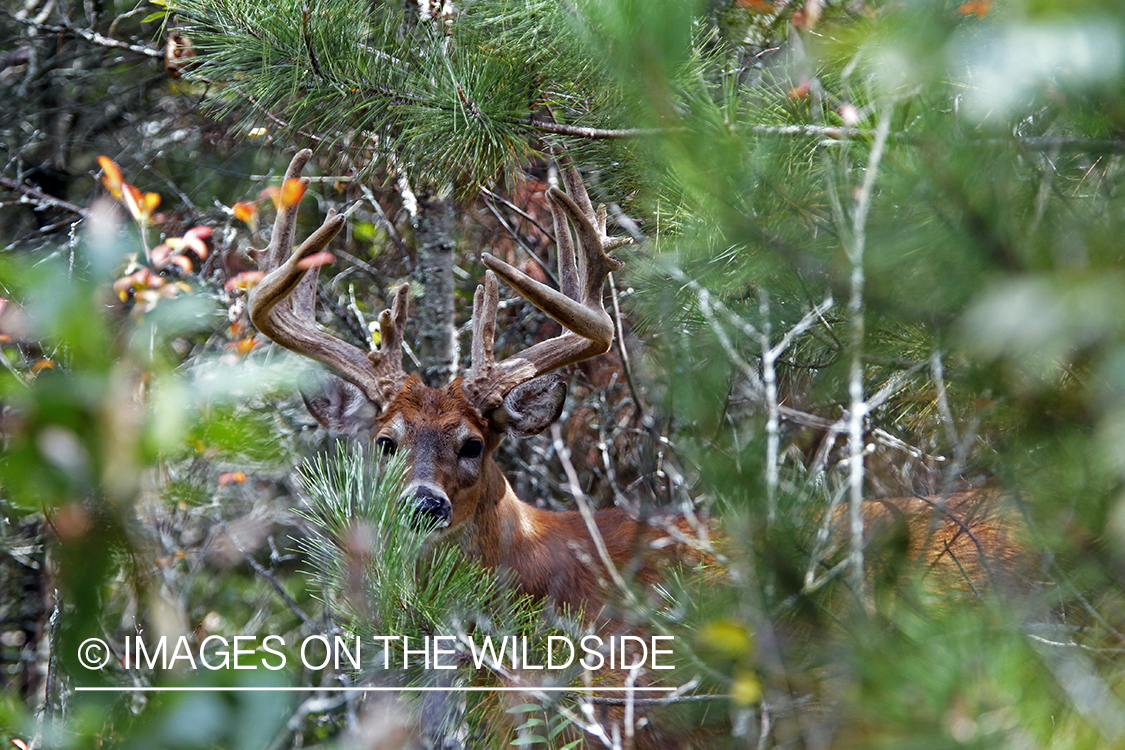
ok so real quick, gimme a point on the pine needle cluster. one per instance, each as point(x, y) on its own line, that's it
point(450, 101)
point(381, 575)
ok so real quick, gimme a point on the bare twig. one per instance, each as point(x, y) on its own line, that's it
point(513, 207)
point(89, 35)
point(830, 132)
point(858, 407)
point(584, 508)
point(40, 200)
point(269, 578)
point(519, 241)
point(582, 131)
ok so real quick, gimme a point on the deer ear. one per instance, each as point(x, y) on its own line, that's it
point(530, 407)
point(338, 405)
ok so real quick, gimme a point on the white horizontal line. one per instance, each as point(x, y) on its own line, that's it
point(298, 688)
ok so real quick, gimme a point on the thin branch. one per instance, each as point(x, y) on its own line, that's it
point(269, 578)
point(582, 131)
point(513, 207)
point(640, 417)
point(1027, 143)
point(89, 35)
point(859, 408)
point(519, 241)
point(584, 509)
point(39, 199)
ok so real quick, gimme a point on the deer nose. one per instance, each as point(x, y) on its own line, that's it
point(429, 508)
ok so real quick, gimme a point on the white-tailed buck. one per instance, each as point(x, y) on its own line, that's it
point(452, 431)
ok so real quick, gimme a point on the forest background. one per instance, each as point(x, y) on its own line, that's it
point(877, 253)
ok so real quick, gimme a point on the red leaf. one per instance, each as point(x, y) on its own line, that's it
point(231, 477)
point(243, 281)
point(315, 260)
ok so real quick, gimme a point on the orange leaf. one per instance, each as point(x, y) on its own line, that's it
point(978, 8)
point(315, 260)
point(291, 192)
point(247, 213)
point(149, 203)
point(243, 281)
point(138, 280)
point(231, 477)
point(140, 205)
point(246, 345)
point(42, 364)
point(133, 198)
point(756, 6)
point(801, 90)
point(112, 179)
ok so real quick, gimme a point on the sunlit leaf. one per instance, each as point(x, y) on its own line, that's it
point(140, 204)
point(247, 213)
point(745, 689)
point(112, 179)
point(291, 192)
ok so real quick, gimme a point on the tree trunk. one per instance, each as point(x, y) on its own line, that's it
point(433, 233)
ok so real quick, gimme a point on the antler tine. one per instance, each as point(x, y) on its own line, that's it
point(285, 223)
point(485, 301)
point(487, 381)
point(578, 307)
point(282, 304)
point(386, 360)
point(564, 243)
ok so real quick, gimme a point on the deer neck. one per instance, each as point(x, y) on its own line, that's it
point(528, 545)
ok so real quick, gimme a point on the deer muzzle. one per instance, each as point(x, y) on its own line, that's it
point(429, 508)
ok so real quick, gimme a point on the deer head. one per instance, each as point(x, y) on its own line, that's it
point(449, 432)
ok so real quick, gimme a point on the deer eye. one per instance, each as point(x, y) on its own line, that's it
point(386, 446)
point(471, 449)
